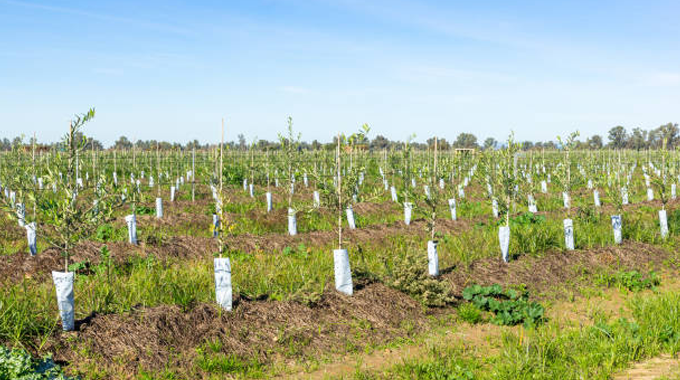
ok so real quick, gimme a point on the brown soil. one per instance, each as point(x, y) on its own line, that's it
point(165, 336)
point(19, 266)
point(551, 273)
point(655, 368)
point(153, 338)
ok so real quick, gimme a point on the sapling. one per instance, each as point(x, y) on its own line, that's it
point(221, 226)
point(504, 177)
point(566, 180)
point(431, 199)
point(268, 196)
point(69, 218)
point(337, 194)
point(659, 182)
point(616, 193)
point(290, 147)
point(251, 186)
point(408, 179)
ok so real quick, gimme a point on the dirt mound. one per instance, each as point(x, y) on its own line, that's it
point(543, 274)
point(40, 266)
point(151, 338)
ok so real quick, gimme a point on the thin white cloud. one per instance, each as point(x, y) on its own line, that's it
point(162, 27)
point(427, 73)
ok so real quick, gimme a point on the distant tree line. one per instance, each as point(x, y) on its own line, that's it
point(618, 138)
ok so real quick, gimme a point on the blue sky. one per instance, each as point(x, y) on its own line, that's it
point(171, 70)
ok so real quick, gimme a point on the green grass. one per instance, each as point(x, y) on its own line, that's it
point(555, 351)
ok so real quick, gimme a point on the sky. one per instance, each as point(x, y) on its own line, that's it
point(171, 70)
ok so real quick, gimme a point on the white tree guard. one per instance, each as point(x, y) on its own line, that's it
point(269, 201)
point(569, 234)
point(223, 288)
point(63, 284)
point(350, 218)
point(343, 273)
point(21, 214)
point(159, 207)
point(292, 222)
point(616, 227)
point(131, 221)
point(317, 199)
point(408, 209)
point(532, 204)
point(30, 237)
point(663, 223)
point(216, 225)
point(452, 208)
point(504, 241)
point(432, 258)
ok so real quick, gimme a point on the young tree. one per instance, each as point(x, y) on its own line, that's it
point(73, 213)
point(501, 168)
point(290, 146)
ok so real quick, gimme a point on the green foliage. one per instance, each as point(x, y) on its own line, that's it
point(510, 307)
point(674, 222)
point(17, 364)
point(211, 359)
point(144, 210)
point(105, 232)
point(526, 219)
point(442, 367)
point(233, 174)
point(500, 169)
point(409, 275)
point(470, 313)
point(633, 281)
point(300, 252)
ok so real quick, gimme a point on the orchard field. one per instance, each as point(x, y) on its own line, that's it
point(344, 262)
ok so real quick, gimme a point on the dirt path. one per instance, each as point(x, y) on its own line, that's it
point(486, 338)
point(656, 368)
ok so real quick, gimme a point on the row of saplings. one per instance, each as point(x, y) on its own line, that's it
point(74, 220)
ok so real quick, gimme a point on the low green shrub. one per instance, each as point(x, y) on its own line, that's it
point(17, 364)
point(633, 281)
point(509, 307)
point(408, 274)
point(470, 313)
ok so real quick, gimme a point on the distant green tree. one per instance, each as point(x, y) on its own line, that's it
point(594, 142)
point(618, 137)
point(638, 139)
point(380, 142)
point(122, 143)
point(490, 143)
point(466, 140)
